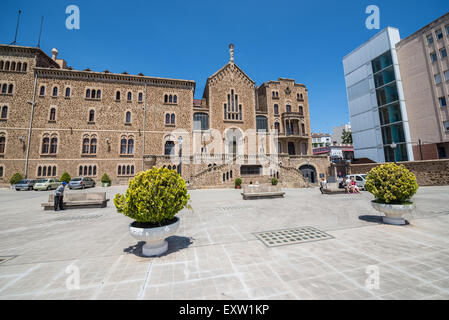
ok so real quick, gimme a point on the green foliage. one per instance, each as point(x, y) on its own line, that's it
point(274, 181)
point(154, 196)
point(105, 179)
point(16, 177)
point(65, 177)
point(391, 183)
point(238, 182)
point(346, 137)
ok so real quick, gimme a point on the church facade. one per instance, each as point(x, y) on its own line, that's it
point(54, 119)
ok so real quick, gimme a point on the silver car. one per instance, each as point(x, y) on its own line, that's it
point(360, 180)
point(26, 184)
point(81, 183)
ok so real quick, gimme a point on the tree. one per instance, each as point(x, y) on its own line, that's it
point(346, 137)
point(65, 177)
point(16, 177)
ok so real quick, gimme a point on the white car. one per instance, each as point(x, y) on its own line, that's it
point(360, 179)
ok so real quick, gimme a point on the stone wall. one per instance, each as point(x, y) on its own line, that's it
point(427, 172)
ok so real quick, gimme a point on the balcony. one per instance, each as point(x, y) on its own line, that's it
point(292, 116)
point(292, 134)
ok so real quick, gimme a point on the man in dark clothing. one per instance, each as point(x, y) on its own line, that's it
point(59, 196)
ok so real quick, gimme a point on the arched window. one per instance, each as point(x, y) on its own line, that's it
point(52, 114)
point(42, 91)
point(288, 108)
point(165, 98)
point(169, 167)
point(86, 145)
point(227, 175)
point(301, 110)
point(91, 115)
point(123, 146)
point(4, 112)
point(1, 171)
point(90, 170)
point(54, 171)
point(140, 96)
point(55, 91)
point(39, 171)
point(172, 118)
point(119, 170)
point(224, 177)
point(67, 92)
point(2, 144)
point(303, 128)
point(170, 98)
point(129, 96)
point(169, 148)
point(44, 171)
point(24, 67)
point(80, 172)
point(45, 144)
point(85, 170)
point(19, 66)
point(4, 88)
point(128, 169)
point(167, 119)
point(7, 65)
point(1, 65)
point(276, 109)
point(123, 169)
point(93, 94)
point(261, 123)
point(230, 174)
point(200, 121)
point(54, 145)
point(277, 127)
point(132, 169)
point(98, 94)
point(88, 93)
point(93, 146)
point(175, 99)
point(94, 171)
point(117, 95)
point(11, 87)
point(128, 117)
point(130, 146)
point(13, 66)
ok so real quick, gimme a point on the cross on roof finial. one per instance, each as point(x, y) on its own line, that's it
point(231, 53)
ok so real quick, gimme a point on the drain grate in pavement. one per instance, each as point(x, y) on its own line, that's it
point(233, 208)
point(291, 236)
point(76, 218)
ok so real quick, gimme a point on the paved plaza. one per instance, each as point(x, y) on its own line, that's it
point(217, 254)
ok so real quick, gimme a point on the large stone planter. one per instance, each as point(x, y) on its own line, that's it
point(155, 243)
point(393, 212)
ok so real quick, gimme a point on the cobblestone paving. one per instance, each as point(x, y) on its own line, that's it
point(216, 254)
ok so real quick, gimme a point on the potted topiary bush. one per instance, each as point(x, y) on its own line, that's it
point(152, 199)
point(238, 183)
point(16, 177)
point(105, 180)
point(392, 185)
point(65, 177)
point(274, 181)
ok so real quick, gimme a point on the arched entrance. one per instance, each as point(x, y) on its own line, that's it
point(308, 172)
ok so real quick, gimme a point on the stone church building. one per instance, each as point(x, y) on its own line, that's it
point(54, 119)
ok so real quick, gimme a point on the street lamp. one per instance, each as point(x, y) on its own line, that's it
point(180, 154)
point(393, 147)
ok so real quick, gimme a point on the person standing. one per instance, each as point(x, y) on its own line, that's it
point(59, 196)
point(323, 185)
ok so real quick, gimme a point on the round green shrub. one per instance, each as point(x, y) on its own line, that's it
point(153, 197)
point(65, 177)
point(16, 177)
point(274, 181)
point(105, 179)
point(238, 182)
point(391, 183)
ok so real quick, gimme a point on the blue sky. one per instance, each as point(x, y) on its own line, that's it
point(303, 40)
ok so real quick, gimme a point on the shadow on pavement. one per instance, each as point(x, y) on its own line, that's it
point(175, 243)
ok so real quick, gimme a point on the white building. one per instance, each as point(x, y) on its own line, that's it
point(378, 116)
point(337, 132)
point(321, 140)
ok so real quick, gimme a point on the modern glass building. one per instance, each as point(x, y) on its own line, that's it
point(376, 101)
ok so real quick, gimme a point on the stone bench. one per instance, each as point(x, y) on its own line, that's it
point(262, 192)
point(78, 200)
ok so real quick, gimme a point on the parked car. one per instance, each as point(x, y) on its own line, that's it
point(46, 184)
point(360, 179)
point(26, 184)
point(81, 183)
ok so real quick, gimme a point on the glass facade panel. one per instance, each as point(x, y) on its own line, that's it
point(201, 121)
point(261, 123)
point(399, 153)
point(384, 77)
point(393, 133)
point(387, 94)
point(382, 62)
point(390, 114)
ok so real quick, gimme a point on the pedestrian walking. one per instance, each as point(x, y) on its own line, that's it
point(59, 196)
point(323, 185)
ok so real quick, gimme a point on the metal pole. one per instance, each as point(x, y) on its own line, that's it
point(40, 33)
point(420, 149)
point(17, 28)
point(33, 104)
